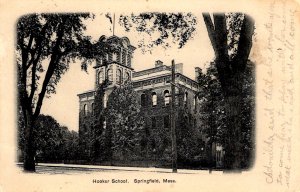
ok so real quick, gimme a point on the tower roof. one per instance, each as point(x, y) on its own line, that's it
point(123, 42)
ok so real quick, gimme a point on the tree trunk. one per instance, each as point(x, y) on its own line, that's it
point(233, 103)
point(29, 152)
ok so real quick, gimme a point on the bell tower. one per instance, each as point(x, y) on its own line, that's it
point(115, 65)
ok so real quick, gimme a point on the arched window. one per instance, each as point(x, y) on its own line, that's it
point(127, 77)
point(110, 75)
point(185, 98)
point(105, 101)
point(114, 56)
point(143, 100)
point(154, 99)
point(85, 110)
point(100, 77)
point(167, 97)
point(119, 76)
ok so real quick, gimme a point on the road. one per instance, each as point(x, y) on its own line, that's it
point(49, 168)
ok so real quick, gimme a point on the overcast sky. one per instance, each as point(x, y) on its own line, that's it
point(64, 105)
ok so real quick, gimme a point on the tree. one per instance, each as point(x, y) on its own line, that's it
point(160, 27)
point(212, 109)
point(239, 28)
point(124, 122)
point(99, 143)
point(44, 41)
point(53, 142)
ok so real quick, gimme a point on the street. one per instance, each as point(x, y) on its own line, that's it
point(71, 169)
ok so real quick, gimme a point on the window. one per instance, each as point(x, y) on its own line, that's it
point(114, 56)
point(127, 77)
point(105, 101)
point(185, 98)
point(85, 110)
point(100, 77)
point(110, 75)
point(119, 76)
point(104, 124)
point(153, 122)
point(101, 61)
point(154, 99)
point(143, 100)
point(195, 103)
point(93, 109)
point(167, 97)
point(166, 121)
point(124, 58)
point(128, 60)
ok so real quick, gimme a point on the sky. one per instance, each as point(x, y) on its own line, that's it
point(64, 105)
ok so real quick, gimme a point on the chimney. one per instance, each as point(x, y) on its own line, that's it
point(197, 72)
point(179, 68)
point(158, 63)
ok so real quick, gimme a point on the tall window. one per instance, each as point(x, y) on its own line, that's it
point(128, 60)
point(195, 103)
point(100, 77)
point(119, 76)
point(166, 121)
point(110, 75)
point(93, 109)
point(114, 56)
point(153, 122)
point(124, 58)
point(154, 99)
point(127, 77)
point(185, 98)
point(85, 110)
point(167, 97)
point(105, 101)
point(143, 100)
point(104, 124)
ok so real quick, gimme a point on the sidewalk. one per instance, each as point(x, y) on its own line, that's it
point(116, 168)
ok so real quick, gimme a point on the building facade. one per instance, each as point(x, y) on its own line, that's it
point(153, 90)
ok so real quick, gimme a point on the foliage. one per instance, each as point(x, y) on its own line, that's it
point(100, 140)
point(212, 105)
point(53, 142)
point(188, 145)
point(231, 39)
point(160, 27)
point(46, 45)
point(214, 115)
point(124, 121)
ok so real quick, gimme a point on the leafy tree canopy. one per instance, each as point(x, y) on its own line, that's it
point(124, 119)
point(163, 29)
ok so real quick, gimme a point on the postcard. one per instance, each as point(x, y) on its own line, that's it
point(150, 95)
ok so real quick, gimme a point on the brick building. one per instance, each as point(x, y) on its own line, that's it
point(153, 88)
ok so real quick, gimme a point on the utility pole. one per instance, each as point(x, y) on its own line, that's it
point(173, 131)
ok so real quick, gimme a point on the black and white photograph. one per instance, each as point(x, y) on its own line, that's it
point(106, 96)
point(137, 112)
